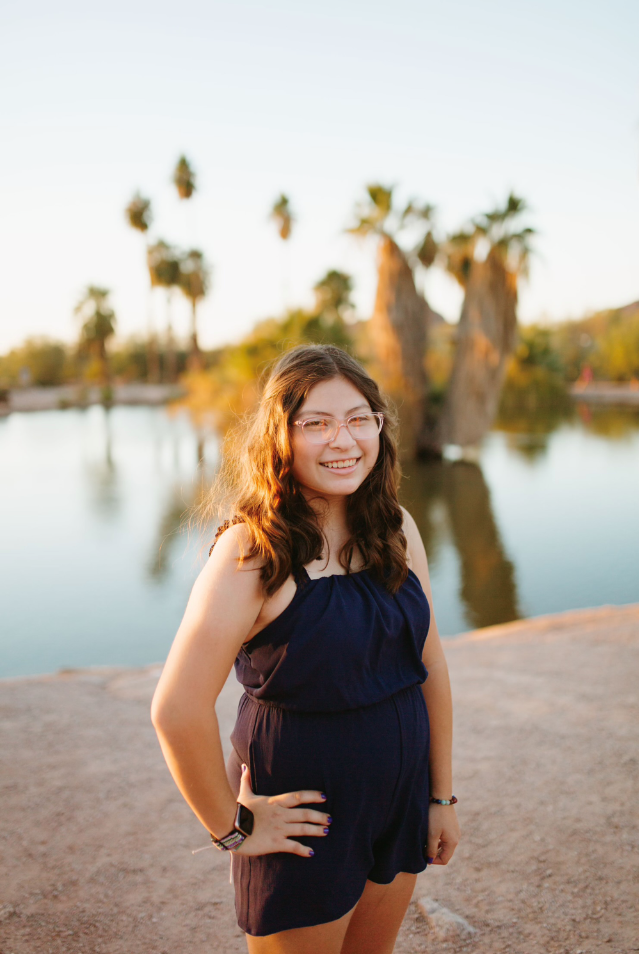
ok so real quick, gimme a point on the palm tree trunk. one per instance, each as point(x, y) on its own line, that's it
point(485, 340)
point(195, 357)
point(170, 369)
point(104, 363)
point(399, 330)
point(152, 355)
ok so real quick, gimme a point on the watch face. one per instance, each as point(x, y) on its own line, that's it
point(244, 819)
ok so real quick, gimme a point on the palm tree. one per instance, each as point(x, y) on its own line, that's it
point(399, 326)
point(139, 216)
point(487, 259)
point(98, 325)
point(184, 178)
point(194, 280)
point(282, 214)
point(164, 271)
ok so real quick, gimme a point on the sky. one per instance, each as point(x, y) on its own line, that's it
point(452, 103)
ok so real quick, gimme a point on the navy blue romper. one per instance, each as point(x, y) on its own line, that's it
point(333, 702)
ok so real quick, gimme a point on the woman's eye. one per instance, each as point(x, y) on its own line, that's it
point(316, 423)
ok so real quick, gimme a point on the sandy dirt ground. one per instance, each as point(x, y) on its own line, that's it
point(96, 841)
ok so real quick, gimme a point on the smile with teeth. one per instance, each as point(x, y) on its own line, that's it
point(340, 464)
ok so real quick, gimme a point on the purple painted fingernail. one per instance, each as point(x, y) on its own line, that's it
point(323, 796)
point(310, 852)
point(326, 831)
point(429, 861)
point(329, 820)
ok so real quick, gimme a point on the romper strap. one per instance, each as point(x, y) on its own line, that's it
point(300, 575)
point(220, 530)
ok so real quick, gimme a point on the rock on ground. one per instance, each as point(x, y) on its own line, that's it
point(96, 840)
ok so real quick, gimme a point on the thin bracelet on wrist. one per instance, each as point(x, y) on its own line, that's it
point(443, 801)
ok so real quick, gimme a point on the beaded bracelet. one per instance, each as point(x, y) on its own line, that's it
point(444, 801)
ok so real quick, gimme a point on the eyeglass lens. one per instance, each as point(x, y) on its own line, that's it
point(324, 430)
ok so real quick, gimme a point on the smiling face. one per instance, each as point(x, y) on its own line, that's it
point(338, 468)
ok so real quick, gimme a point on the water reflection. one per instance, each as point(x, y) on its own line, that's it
point(108, 523)
point(101, 472)
point(177, 518)
point(612, 422)
point(488, 589)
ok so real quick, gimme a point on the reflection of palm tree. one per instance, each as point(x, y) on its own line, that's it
point(98, 325)
point(488, 590)
point(164, 272)
point(138, 214)
point(488, 587)
point(103, 477)
point(173, 522)
point(194, 278)
point(399, 325)
point(487, 260)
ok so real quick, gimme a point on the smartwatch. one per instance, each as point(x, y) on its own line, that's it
point(242, 828)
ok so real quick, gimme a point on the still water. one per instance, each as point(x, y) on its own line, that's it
point(96, 569)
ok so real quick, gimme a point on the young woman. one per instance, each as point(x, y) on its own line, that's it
point(337, 792)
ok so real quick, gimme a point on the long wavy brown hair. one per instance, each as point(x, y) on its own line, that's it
point(255, 484)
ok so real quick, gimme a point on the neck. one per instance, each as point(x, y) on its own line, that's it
point(331, 514)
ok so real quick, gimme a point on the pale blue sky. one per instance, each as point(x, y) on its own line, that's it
point(455, 103)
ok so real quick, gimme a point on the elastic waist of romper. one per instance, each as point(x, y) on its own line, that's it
point(272, 704)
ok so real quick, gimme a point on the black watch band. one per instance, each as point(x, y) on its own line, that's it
point(242, 828)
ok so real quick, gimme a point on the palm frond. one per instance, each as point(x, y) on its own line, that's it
point(184, 178)
point(138, 213)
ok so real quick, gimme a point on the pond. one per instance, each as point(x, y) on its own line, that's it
point(96, 567)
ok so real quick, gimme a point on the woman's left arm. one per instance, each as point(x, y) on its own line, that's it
point(443, 827)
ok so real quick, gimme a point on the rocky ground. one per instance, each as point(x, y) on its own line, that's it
point(96, 841)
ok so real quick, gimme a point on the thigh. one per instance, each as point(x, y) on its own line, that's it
point(377, 918)
point(327, 938)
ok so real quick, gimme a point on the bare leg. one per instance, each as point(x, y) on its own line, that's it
point(378, 916)
point(324, 938)
point(370, 928)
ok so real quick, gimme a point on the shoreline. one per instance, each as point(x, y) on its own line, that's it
point(63, 397)
point(547, 622)
point(545, 763)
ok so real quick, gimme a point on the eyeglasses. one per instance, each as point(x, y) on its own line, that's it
point(324, 430)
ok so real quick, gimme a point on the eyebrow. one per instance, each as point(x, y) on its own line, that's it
point(328, 413)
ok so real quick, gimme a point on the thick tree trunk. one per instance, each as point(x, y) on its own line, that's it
point(399, 329)
point(485, 339)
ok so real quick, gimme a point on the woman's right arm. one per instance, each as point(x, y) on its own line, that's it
point(223, 606)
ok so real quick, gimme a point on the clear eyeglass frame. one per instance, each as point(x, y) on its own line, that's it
point(314, 438)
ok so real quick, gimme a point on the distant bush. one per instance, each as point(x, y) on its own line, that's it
point(230, 386)
point(39, 362)
point(606, 342)
point(535, 377)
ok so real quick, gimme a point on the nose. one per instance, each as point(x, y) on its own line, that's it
point(343, 438)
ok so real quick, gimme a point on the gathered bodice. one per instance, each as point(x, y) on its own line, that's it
point(343, 642)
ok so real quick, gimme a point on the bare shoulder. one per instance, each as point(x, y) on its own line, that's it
point(229, 563)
